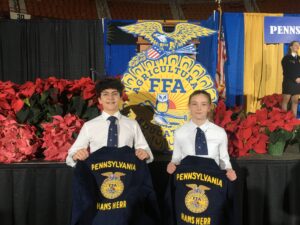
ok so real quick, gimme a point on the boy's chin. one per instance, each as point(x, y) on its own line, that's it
point(111, 108)
point(202, 117)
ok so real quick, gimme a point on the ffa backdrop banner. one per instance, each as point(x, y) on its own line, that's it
point(159, 80)
point(281, 29)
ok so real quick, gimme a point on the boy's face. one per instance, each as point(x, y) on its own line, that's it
point(110, 99)
point(199, 107)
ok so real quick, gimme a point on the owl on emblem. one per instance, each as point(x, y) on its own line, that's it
point(162, 103)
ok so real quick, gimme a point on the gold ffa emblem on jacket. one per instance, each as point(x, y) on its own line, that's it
point(112, 187)
point(196, 201)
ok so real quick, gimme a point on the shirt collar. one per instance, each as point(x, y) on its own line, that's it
point(294, 54)
point(105, 115)
point(203, 127)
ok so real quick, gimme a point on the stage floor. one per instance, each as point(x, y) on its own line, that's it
point(39, 193)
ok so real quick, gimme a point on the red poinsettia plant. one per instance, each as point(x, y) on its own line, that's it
point(18, 142)
point(271, 101)
point(280, 125)
point(250, 135)
point(9, 99)
point(229, 119)
point(255, 131)
point(59, 135)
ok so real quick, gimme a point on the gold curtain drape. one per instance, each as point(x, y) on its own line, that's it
point(262, 62)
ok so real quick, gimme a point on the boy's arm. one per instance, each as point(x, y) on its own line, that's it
point(223, 153)
point(140, 142)
point(81, 142)
point(176, 156)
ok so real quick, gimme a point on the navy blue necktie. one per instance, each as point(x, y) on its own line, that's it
point(112, 138)
point(200, 143)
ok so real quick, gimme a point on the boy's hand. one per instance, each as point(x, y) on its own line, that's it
point(81, 154)
point(171, 168)
point(142, 154)
point(231, 175)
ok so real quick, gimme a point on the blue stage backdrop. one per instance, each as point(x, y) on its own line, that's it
point(119, 47)
point(208, 47)
point(233, 24)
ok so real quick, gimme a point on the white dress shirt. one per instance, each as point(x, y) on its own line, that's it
point(216, 139)
point(94, 134)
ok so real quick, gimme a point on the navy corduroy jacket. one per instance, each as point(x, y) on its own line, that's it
point(198, 193)
point(113, 187)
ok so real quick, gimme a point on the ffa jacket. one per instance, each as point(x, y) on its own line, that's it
point(198, 193)
point(113, 187)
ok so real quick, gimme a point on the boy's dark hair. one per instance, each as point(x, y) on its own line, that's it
point(200, 92)
point(109, 83)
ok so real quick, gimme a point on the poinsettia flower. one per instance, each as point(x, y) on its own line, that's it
point(59, 84)
point(17, 104)
point(26, 90)
point(18, 142)
point(58, 136)
point(272, 101)
point(4, 105)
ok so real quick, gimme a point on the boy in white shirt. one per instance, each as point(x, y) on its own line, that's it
point(200, 137)
point(110, 128)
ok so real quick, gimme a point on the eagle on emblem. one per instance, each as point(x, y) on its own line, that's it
point(167, 43)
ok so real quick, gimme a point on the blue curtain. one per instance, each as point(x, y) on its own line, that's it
point(208, 47)
point(233, 25)
point(286, 46)
point(117, 56)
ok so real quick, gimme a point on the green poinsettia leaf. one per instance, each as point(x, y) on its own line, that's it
point(44, 97)
point(35, 100)
point(26, 101)
point(53, 92)
point(54, 110)
point(23, 115)
point(280, 135)
point(77, 106)
point(90, 113)
point(35, 115)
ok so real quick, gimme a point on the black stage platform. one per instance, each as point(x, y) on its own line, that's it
point(39, 193)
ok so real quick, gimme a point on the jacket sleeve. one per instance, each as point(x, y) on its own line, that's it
point(169, 208)
point(84, 195)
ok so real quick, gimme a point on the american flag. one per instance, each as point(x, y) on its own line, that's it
point(222, 57)
point(154, 52)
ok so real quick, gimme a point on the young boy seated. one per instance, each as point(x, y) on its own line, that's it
point(110, 129)
point(200, 137)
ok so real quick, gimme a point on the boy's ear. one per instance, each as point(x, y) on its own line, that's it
point(99, 100)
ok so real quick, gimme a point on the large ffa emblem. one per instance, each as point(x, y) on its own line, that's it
point(112, 187)
point(160, 79)
point(196, 201)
